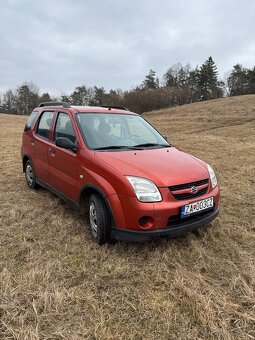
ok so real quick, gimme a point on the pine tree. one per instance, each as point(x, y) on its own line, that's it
point(66, 98)
point(172, 75)
point(251, 80)
point(79, 96)
point(45, 97)
point(99, 95)
point(208, 83)
point(177, 75)
point(150, 81)
point(193, 81)
point(241, 81)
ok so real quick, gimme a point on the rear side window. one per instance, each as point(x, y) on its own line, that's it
point(64, 127)
point(31, 120)
point(43, 129)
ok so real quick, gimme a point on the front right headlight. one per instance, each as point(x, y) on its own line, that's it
point(145, 190)
point(212, 176)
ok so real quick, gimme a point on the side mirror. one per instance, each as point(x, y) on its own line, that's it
point(66, 143)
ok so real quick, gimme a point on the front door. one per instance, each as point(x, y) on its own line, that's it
point(63, 164)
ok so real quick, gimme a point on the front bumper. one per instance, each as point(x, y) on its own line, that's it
point(147, 235)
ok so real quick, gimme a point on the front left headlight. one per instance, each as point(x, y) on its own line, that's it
point(145, 190)
point(212, 176)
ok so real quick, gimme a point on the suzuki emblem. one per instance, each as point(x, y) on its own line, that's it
point(193, 190)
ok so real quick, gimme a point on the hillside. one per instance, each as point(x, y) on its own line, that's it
point(57, 284)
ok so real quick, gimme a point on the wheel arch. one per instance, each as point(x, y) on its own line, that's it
point(89, 189)
point(25, 158)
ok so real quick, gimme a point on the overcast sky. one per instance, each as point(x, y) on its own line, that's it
point(113, 43)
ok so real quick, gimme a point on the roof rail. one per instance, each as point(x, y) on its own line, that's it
point(109, 107)
point(64, 104)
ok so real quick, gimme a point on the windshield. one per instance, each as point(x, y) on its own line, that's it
point(105, 131)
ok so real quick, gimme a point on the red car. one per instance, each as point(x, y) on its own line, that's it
point(114, 164)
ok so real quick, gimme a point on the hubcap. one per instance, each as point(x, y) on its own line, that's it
point(29, 174)
point(93, 219)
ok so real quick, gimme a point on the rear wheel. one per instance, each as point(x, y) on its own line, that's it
point(30, 175)
point(99, 219)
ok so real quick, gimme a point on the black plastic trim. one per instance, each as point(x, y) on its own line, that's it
point(103, 195)
point(142, 236)
point(189, 185)
point(45, 185)
point(188, 195)
point(23, 157)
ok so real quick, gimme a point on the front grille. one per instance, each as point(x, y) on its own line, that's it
point(188, 194)
point(188, 185)
point(175, 221)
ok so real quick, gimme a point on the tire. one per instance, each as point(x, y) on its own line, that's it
point(99, 220)
point(30, 175)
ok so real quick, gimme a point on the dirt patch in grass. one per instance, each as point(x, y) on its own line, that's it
point(57, 284)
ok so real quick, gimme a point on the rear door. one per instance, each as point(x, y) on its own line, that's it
point(63, 164)
point(40, 144)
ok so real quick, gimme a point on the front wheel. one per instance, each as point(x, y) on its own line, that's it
point(30, 175)
point(99, 220)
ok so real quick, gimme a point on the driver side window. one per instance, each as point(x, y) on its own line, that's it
point(64, 127)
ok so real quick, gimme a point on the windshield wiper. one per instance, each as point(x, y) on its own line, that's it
point(129, 147)
point(152, 144)
point(112, 147)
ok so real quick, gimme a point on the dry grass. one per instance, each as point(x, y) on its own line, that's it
point(57, 284)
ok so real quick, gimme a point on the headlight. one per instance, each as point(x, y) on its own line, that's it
point(145, 190)
point(212, 176)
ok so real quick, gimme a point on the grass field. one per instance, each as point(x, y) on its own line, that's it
point(57, 284)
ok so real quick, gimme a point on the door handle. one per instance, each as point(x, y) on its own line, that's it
point(52, 151)
point(32, 142)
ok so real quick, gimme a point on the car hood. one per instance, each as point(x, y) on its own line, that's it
point(165, 166)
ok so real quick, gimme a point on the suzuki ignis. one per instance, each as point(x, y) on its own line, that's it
point(113, 164)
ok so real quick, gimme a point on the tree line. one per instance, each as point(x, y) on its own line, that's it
point(181, 84)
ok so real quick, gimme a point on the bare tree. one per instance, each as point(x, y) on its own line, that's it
point(27, 97)
point(9, 102)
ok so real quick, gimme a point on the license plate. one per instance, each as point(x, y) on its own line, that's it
point(194, 207)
